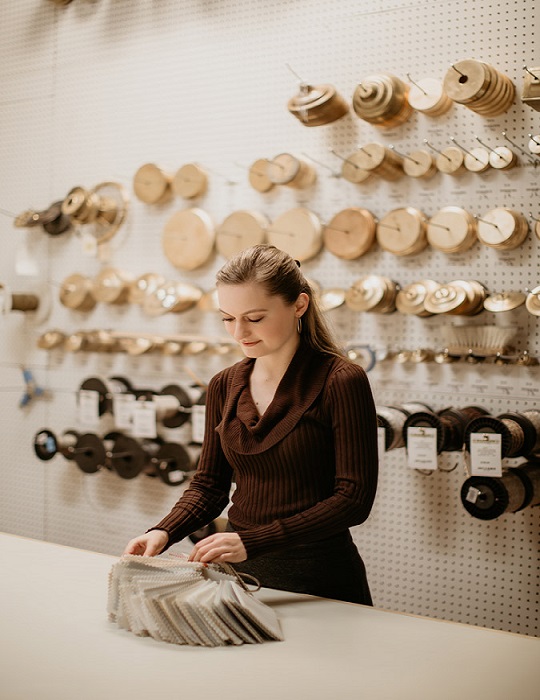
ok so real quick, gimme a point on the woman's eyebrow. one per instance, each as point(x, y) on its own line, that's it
point(250, 311)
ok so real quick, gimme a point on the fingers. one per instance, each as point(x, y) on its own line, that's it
point(148, 545)
point(221, 547)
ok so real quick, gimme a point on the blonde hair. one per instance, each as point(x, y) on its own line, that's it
point(280, 275)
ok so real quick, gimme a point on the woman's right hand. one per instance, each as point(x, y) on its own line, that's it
point(148, 545)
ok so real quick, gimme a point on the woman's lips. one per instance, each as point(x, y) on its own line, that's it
point(248, 345)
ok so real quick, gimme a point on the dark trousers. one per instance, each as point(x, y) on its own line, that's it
point(331, 568)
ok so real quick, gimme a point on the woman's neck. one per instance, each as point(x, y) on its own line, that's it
point(271, 368)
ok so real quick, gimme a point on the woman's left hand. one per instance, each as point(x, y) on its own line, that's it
point(220, 547)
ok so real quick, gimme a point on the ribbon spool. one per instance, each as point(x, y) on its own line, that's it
point(382, 100)
point(152, 185)
point(171, 297)
point(518, 433)
point(17, 301)
point(451, 230)
point(502, 229)
point(392, 419)
point(47, 445)
point(449, 423)
point(76, 292)
point(89, 453)
point(428, 96)
point(258, 176)
point(480, 87)
point(107, 391)
point(52, 220)
point(373, 293)
point(376, 159)
point(124, 455)
point(410, 299)
point(171, 462)
point(173, 406)
point(317, 105)
point(290, 170)
point(457, 298)
point(504, 301)
point(487, 497)
point(532, 302)
point(111, 286)
point(104, 206)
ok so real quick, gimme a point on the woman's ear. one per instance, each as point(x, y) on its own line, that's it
point(301, 304)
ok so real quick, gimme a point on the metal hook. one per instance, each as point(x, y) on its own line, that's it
point(345, 160)
point(534, 218)
point(520, 149)
point(415, 84)
point(485, 221)
point(437, 150)
point(458, 71)
point(465, 150)
point(402, 155)
point(324, 165)
point(530, 73)
point(300, 79)
point(531, 136)
point(489, 148)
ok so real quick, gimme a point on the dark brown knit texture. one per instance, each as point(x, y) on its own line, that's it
point(304, 471)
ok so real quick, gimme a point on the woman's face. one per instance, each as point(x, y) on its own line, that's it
point(260, 323)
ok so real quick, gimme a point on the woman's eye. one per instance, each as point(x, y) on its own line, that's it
point(227, 320)
point(254, 320)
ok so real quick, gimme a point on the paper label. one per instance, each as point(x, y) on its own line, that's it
point(144, 419)
point(123, 405)
point(486, 451)
point(381, 442)
point(198, 415)
point(422, 448)
point(88, 408)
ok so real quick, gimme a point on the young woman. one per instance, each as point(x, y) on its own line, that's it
point(294, 425)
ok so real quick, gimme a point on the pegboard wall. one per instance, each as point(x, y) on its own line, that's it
point(94, 89)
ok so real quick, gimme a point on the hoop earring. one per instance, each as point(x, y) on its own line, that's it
point(299, 325)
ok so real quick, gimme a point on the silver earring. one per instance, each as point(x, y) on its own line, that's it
point(299, 325)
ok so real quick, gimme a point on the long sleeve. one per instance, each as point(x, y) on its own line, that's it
point(208, 492)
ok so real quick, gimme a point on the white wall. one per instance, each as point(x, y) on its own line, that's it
point(93, 90)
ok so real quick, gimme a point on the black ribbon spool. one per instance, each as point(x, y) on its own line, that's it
point(45, 445)
point(171, 463)
point(489, 424)
point(389, 432)
point(127, 458)
point(97, 385)
point(183, 414)
point(54, 221)
point(425, 420)
point(497, 495)
point(528, 429)
point(89, 453)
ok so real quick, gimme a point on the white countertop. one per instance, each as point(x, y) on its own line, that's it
point(57, 644)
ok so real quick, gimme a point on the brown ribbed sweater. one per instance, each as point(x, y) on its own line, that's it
point(305, 470)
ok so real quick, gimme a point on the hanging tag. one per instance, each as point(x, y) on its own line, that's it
point(88, 408)
point(486, 454)
point(123, 405)
point(144, 420)
point(26, 263)
point(422, 448)
point(198, 414)
point(381, 442)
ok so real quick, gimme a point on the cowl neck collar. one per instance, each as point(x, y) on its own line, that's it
point(243, 430)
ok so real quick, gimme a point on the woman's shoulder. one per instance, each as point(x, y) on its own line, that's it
point(342, 372)
point(222, 380)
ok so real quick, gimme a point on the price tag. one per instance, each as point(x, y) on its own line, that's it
point(144, 419)
point(422, 448)
point(198, 415)
point(381, 443)
point(88, 408)
point(486, 451)
point(123, 405)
